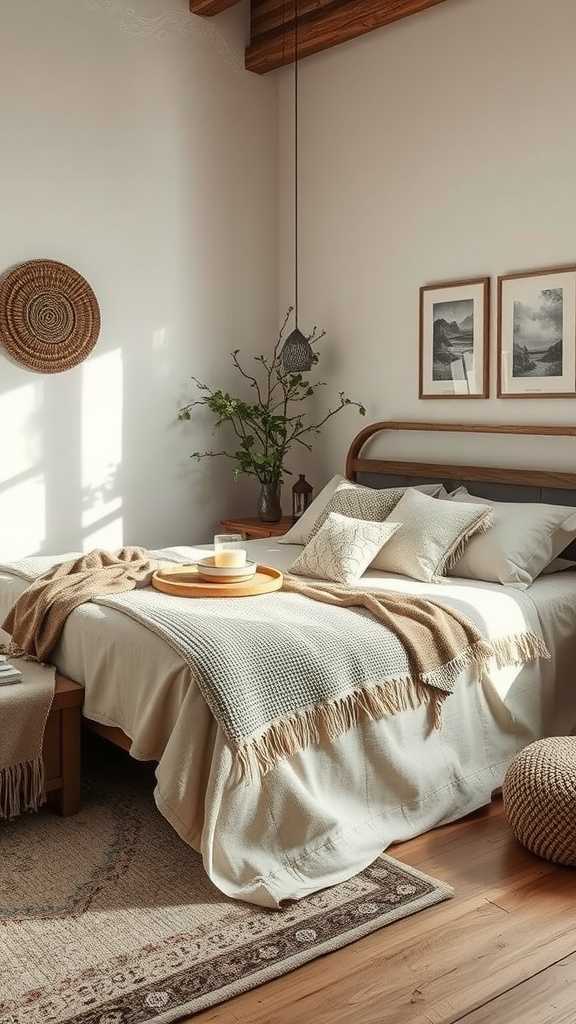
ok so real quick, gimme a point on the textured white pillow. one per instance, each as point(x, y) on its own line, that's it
point(343, 548)
point(300, 532)
point(525, 538)
point(433, 535)
point(314, 516)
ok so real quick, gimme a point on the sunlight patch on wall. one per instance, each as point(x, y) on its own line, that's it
point(20, 411)
point(23, 517)
point(22, 483)
point(102, 412)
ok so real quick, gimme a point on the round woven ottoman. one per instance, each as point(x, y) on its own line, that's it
point(540, 798)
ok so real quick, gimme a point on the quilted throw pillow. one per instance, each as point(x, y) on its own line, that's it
point(343, 548)
point(432, 538)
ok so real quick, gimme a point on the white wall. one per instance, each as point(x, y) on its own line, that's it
point(441, 147)
point(136, 149)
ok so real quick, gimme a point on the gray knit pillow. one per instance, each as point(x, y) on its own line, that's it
point(359, 502)
point(343, 548)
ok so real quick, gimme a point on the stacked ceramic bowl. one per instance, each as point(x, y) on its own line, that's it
point(212, 573)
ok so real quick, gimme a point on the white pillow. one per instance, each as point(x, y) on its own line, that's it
point(343, 548)
point(311, 520)
point(432, 535)
point(525, 538)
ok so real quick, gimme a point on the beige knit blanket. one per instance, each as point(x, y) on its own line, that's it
point(24, 709)
point(36, 621)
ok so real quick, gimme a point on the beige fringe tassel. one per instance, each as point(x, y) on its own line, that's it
point(22, 788)
point(518, 649)
point(258, 755)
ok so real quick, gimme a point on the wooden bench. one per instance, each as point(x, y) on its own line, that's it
point(62, 741)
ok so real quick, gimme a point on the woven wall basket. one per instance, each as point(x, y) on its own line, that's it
point(49, 316)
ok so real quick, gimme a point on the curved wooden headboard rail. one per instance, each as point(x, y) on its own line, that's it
point(499, 475)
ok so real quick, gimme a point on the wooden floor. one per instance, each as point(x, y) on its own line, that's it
point(503, 951)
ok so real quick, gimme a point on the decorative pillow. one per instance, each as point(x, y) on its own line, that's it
point(360, 502)
point(432, 537)
point(300, 532)
point(525, 538)
point(343, 548)
point(360, 506)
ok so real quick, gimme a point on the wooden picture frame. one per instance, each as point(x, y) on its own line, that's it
point(454, 351)
point(536, 322)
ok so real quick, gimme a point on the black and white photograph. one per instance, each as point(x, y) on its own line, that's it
point(453, 340)
point(454, 326)
point(537, 334)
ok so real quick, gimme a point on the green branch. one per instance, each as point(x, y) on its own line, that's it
point(271, 424)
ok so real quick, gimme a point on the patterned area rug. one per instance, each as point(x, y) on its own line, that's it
point(108, 918)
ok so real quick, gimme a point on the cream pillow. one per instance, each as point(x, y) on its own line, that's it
point(432, 535)
point(362, 502)
point(525, 538)
point(343, 548)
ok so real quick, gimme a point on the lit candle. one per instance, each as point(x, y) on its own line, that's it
point(230, 557)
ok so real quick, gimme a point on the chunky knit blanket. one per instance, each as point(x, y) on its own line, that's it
point(282, 670)
point(36, 621)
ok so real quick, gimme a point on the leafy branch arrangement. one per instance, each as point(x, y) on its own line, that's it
point(271, 425)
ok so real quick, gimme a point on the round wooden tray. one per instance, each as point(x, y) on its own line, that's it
point(181, 582)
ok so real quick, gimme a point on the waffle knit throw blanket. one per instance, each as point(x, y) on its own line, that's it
point(281, 671)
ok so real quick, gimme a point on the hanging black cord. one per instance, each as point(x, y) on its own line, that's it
point(296, 161)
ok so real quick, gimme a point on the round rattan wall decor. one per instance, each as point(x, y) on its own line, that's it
point(49, 316)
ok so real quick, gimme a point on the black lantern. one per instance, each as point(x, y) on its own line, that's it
point(297, 354)
point(302, 493)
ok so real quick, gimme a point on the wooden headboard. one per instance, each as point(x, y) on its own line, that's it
point(496, 482)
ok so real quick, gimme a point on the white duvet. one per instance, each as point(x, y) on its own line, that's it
point(325, 814)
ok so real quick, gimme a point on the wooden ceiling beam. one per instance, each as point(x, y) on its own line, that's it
point(321, 25)
point(208, 8)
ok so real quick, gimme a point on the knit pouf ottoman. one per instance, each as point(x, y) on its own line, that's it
point(540, 798)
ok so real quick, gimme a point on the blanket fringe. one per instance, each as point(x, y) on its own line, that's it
point(22, 788)
point(258, 755)
point(518, 649)
point(283, 738)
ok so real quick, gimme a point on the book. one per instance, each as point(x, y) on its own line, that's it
point(7, 678)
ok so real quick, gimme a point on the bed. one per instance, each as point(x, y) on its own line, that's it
point(325, 813)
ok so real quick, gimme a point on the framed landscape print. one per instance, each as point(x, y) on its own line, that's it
point(454, 339)
point(537, 334)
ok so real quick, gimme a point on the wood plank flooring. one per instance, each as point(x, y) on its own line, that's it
point(502, 951)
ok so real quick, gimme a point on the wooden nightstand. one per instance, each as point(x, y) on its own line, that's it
point(255, 529)
point(62, 747)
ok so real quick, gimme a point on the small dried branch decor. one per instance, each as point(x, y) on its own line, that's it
point(274, 422)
